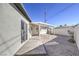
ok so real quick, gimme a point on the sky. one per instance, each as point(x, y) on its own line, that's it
point(56, 13)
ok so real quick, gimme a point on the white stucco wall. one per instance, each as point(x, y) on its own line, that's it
point(63, 31)
point(51, 30)
point(10, 29)
point(76, 35)
point(43, 31)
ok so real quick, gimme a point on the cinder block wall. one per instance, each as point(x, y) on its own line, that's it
point(10, 30)
point(63, 30)
point(76, 35)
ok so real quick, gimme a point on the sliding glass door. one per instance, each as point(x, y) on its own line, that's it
point(23, 31)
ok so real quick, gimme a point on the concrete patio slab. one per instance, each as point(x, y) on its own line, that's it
point(40, 50)
point(34, 42)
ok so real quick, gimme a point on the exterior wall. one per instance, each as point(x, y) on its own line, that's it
point(43, 29)
point(40, 28)
point(10, 30)
point(34, 29)
point(76, 35)
point(63, 30)
point(29, 35)
point(50, 30)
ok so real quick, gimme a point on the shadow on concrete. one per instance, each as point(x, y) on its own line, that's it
point(39, 51)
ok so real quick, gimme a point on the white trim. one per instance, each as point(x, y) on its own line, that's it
point(42, 23)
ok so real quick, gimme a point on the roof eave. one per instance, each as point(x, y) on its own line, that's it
point(22, 11)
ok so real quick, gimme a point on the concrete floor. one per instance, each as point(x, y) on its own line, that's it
point(34, 42)
point(59, 46)
point(39, 51)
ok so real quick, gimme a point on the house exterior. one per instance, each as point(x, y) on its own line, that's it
point(50, 30)
point(14, 28)
point(38, 28)
point(34, 29)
